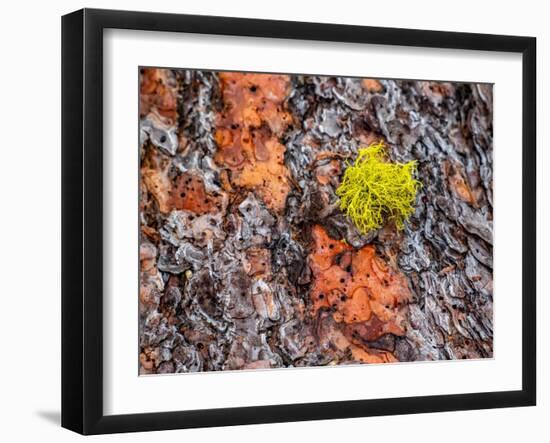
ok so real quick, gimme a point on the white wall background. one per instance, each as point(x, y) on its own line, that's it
point(30, 218)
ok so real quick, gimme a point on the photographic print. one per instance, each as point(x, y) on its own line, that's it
point(291, 220)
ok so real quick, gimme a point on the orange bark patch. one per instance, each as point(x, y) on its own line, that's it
point(158, 184)
point(458, 184)
point(365, 295)
point(190, 194)
point(372, 85)
point(248, 131)
point(187, 192)
point(158, 93)
point(372, 356)
point(436, 91)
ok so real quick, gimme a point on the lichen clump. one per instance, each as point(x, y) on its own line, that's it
point(374, 190)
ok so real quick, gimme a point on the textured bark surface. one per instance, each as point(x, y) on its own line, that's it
point(246, 260)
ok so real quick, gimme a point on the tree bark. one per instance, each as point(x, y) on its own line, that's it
point(248, 262)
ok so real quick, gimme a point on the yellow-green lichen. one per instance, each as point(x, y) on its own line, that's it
point(374, 190)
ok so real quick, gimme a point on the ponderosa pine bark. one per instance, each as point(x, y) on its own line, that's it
point(247, 260)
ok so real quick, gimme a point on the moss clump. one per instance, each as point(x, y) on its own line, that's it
point(373, 189)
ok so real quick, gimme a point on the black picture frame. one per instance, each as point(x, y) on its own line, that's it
point(82, 218)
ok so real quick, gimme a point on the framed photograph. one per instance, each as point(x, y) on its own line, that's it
point(269, 221)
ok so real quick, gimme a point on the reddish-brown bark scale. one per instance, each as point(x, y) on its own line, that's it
point(158, 93)
point(364, 294)
point(248, 134)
